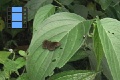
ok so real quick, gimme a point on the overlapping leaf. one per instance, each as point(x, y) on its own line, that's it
point(98, 48)
point(110, 38)
point(43, 13)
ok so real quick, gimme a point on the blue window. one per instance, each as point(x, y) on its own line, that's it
point(17, 17)
point(16, 24)
point(16, 9)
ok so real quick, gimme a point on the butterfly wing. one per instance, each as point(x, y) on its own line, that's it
point(53, 45)
point(50, 45)
point(45, 44)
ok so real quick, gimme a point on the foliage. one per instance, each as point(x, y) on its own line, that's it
point(89, 45)
point(64, 25)
point(10, 66)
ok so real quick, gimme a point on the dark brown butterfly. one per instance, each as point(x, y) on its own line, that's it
point(50, 45)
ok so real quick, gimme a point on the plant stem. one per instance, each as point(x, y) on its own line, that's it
point(59, 3)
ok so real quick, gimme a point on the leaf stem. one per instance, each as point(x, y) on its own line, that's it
point(59, 3)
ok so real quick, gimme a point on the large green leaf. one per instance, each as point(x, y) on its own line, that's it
point(66, 28)
point(110, 38)
point(42, 14)
point(74, 75)
point(34, 5)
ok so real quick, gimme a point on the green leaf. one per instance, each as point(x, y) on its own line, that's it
point(106, 70)
point(66, 28)
point(80, 54)
point(113, 12)
point(42, 14)
point(4, 56)
point(74, 75)
point(98, 49)
point(81, 10)
point(10, 65)
point(108, 29)
point(20, 62)
point(22, 53)
point(34, 5)
point(104, 3)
